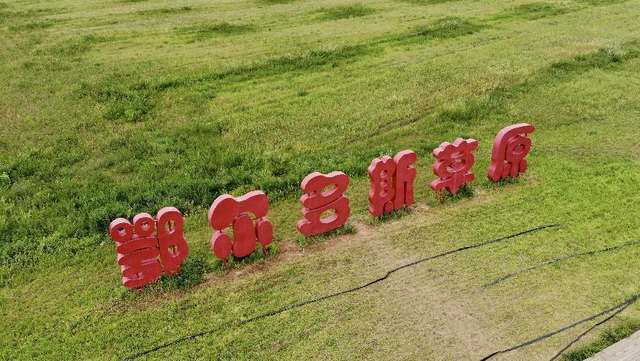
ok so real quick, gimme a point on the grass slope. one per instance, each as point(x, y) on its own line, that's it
point(110, 108)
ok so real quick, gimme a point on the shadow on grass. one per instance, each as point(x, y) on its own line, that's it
point(465, 191)
point(347, 228)
point(489, 184)
point(388, 217)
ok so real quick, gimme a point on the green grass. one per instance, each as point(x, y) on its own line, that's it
point(111, 108)
point(446, 28)
point(606, 339)
point(429, 2)
point(602, 2)
point(535, 11)
point(274, 2)
point(207, 30)
point(165, 11)
point(32, 26)
point(346, 12)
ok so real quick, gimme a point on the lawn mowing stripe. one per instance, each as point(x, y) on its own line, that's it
point(350, 290)
point(617, 308)
point(558, 259)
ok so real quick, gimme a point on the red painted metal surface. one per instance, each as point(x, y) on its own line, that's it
point(231, 212)
point(137, 252)
point(510, 148)
point(381, 193)
point(173, 246)
point(316, 202)
point(143, 253)
point(404, 178)
point(391, 182)
point(453, 165)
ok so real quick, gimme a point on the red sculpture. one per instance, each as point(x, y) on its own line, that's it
point(404, 178)
point(173, 246)
point(227, 211)
point(139, 248)
point(391, 182)
point(510, 148)
point(454, 164)
point(316, 202)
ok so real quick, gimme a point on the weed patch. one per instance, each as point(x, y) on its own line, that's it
point(606, 58)
point(533, 11)
point(446, 28)
point(275, 2)
point(429, 2)
point(125, 99)
point(206, 30)
point(32, 26)
point(23, 15)
point(164, 11)
point(77, 46)
point(192, 272)
point(346, 12)
point(601, 2)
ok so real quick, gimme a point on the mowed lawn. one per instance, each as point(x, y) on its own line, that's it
point(111, 108)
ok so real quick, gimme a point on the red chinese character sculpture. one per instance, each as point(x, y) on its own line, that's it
point(391, 182)
point(510, 148)
point(404, 178)
point(316, 203)
point(139, 248)
point(173, 246)
point(227, 211)
point(454, 164)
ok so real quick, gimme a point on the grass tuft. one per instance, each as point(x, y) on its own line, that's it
point(207, 30)
point(602, 2)
point(126, 100)
point(76, 46)
point(32, 26)
point(346, 12)
point(192, 273)
point(275, 2)
point(605, 58)
point(533, 11)
point(446, 28)
point(429, 2)
point(164, 11)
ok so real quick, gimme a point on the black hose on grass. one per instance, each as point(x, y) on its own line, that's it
point(558, 259)
point(589, 330)
point(615, 309)
point(350, 290)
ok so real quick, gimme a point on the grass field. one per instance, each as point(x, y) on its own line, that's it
point(109, 108)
